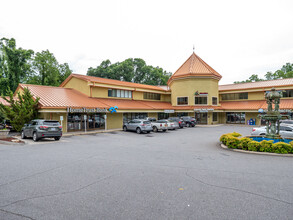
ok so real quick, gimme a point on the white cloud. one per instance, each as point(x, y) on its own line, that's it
point(237, 38)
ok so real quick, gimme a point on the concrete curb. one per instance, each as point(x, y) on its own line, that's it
point(89, 132)
point(254, 152)
point(11, 143)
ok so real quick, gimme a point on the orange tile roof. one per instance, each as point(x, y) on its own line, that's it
point(113, 82)
point(254, 105)
point(57, 97)
point(257, 85)
point(135, 104)
point(195, 66)
point(3, 101)
point(242, 105)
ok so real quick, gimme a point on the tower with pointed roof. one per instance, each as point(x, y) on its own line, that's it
point(195, 83)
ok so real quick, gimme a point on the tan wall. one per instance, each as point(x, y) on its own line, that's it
point(187, 87)
point(114, 121)
point(222, 117)
point(55, 116)
point(166, 98)
point(256, 96)
point(78, 84)
point(249, 115)
point(99, 92)
point(137, 95)
point(153, 115)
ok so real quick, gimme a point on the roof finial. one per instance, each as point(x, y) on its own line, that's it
point(193, 48)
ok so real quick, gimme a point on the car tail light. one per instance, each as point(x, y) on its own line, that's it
point(160, 125)
point(60, 127)
point(253, 129)
point(43, 127)
point(143, 125)
point(179, 122)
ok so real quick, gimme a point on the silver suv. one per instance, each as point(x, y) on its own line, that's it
point(138, 125)
point(41, 128)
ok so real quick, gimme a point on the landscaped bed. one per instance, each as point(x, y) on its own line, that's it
point(235, 141)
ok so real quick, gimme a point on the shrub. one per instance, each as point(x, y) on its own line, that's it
point(253, 146)
point(281, 148)
point(233, 142)
point(243, 144)
point(235, 134)
point(224, 138)
point(266, 146)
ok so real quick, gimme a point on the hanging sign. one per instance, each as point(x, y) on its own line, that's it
point(202, 110)
point(169, 111)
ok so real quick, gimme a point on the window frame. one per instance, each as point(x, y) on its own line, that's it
point(201, 96)
point(213, 100)
point(182, 97)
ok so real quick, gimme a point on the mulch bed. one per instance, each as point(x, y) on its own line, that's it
point(11, 139)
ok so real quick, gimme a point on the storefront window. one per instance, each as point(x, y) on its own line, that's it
point(130, 116)
point(235, 96)
point(235, 117)
point(215, 116)
point(163, 115)
point(77, 122)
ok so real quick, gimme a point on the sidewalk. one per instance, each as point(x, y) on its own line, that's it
point(75, 133)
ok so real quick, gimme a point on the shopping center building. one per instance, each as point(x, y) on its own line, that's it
point(87, 103)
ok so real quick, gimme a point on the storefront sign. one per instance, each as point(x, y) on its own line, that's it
point(86, 110)
point(204, 110)
point(113, 109)
point(169, 111)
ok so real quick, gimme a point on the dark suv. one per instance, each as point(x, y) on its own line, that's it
point(190, 121)
point(179, 121)
point(41, 128)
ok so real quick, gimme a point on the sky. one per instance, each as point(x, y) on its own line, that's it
point(236, 38)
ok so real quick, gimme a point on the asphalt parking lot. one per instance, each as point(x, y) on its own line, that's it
point(181, 174)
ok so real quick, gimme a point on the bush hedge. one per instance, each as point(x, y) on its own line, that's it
point(234, 140)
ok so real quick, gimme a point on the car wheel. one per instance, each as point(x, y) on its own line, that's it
point(35, 137)
point(188, 125)
point(164, 130)
point(193, 125)
point(124, 128)
point(138, 130)
point(155, 129)
point(262, 134)
point(22, 135)
point(57, 138)
point(148, 132)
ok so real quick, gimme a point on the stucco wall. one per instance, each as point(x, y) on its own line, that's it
point(256, 96)
point(99, 92)
point(78, 84)
point(187, 88)
point(114, 120)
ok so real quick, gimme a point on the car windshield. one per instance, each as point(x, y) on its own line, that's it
point(51, 123)
point(146, 122)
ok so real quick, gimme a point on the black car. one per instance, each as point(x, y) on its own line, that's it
point(41, 128)
point(190, 121)
point(179, 121)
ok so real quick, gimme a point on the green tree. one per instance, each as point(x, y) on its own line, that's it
point(131, 70)
point(285, 72)
point(21, 109)
point(15, 65)
point(47, 70)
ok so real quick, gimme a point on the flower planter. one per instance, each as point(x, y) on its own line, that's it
point(4, 133)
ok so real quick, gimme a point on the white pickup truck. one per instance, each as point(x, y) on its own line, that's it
point(159, 126)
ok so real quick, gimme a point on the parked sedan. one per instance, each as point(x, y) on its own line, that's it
point(138, 125)
point(40, 128)
point(171, 125)
point(285, 131)
point(190, 121)
point(180, 122)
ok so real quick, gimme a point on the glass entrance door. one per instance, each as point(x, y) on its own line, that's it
point(201, 118)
